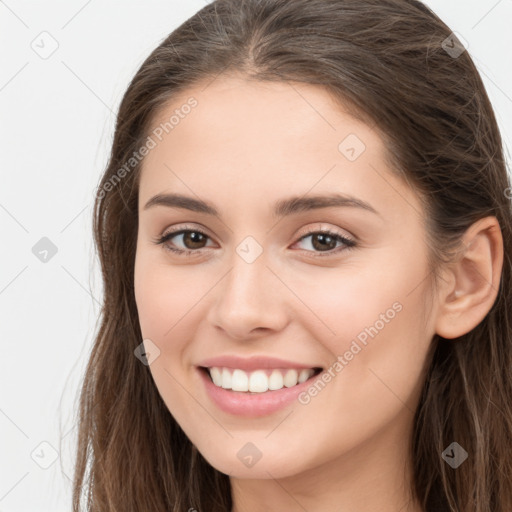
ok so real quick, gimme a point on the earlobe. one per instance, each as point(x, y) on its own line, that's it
point(474, 281)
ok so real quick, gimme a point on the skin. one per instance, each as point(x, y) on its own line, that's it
point(245, 146)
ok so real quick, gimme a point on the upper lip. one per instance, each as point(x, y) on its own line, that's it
point(252, 363)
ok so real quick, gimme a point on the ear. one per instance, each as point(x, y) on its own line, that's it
point(473, 281)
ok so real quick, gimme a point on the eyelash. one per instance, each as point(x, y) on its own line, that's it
point(349, 244)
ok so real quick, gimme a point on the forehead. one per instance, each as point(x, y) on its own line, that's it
point(247, 114)
point(263, 140)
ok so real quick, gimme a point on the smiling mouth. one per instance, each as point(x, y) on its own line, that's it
point(258, 381)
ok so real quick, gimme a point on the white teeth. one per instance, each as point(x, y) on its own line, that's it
point(239, 381)
point(276, 380)
point(226, 378)
point(291, 377)
point(216, 376)
point(258, 381)
point(303, 376)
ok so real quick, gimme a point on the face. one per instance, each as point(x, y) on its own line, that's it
point(273, 289)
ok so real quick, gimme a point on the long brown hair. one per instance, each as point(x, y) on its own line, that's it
point(397, 66)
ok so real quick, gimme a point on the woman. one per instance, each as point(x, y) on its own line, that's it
point(305, 232)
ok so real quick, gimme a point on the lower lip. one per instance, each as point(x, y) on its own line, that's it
point(250, 405)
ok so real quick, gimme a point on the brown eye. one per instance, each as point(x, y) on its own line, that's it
point(194, 239)
point(321, 242)
point(191, 240)
point(327, 242)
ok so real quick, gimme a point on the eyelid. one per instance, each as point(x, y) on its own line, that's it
point(186, 227)
point(323, 227)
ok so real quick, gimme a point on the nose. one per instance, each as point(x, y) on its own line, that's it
point(249, 301)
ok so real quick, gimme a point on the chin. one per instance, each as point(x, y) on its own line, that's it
point(244, 460)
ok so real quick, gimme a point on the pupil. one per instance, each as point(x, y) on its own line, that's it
point(194, 238)
point(325, 239)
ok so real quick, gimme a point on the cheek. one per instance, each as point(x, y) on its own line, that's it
point(153, 304)
point(373, 320)
point(383, 343)
point(345, 303)
point(384, 299)
point(164, 295)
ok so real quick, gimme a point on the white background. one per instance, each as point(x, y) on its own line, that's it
point(57, 118)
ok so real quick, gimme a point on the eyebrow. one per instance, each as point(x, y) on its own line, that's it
point(282, 208)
